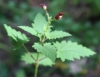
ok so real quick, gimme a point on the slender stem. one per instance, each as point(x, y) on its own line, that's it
point(47, 14)
point(42, 58)
point(36, 70)
point(49, 22)
point(36, 66)
point(28, 52)
point(42, 39)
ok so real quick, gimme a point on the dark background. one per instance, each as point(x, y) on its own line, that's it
point(81, 19)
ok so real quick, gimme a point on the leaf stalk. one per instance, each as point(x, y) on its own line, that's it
point(29, 52)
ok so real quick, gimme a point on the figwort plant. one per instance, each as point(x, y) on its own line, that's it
point(47, 52)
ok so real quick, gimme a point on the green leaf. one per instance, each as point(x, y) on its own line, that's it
point(39, 23)
point(18, 39)
point(47, 49)
point(29, 30)
point(38, 47)
point(71, 50)
point(28, 59)
point(57, 34)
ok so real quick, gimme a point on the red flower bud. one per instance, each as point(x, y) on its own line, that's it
point(59, 15)
point(43, 6)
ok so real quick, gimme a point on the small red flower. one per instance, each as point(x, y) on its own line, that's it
point(43, 6)
point(59, 15)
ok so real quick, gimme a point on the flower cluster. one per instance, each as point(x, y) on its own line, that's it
point(58, 16)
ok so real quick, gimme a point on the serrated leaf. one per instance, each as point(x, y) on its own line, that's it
point(47, 49)
point(39, 23)
point(16, 35)
point(57, 34)
point(18, 38)
point(28, 59)
point(71, 50)
point(38, 47)
point(29, 30)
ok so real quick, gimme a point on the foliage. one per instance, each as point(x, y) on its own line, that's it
point(59, 50)
point(38, 24)
point(48, 50)
point(29, 29)
point(64, 51)
point(18, 39)
point(57, 34)
point(28, 59)
point(84, 28)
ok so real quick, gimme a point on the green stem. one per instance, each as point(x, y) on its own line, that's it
point(42, 58)
point(49, 22)
point(42, 39)
point(36, 66)
point(28, 52)
point(47, 14)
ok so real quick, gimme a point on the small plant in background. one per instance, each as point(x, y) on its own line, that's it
point(47, 52)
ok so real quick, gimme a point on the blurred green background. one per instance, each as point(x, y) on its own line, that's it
point(82, 20)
